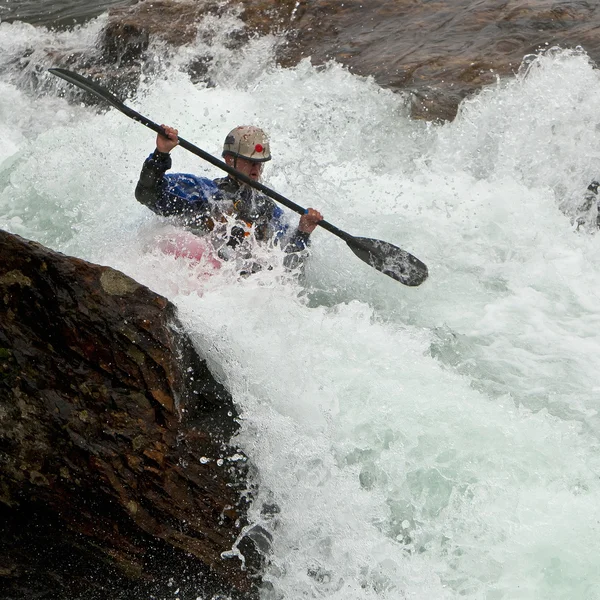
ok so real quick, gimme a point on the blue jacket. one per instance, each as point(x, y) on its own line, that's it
point(200, 203)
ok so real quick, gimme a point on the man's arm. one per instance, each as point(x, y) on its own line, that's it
point(151, 186)
point(175, 195)
point(171, 195)
point(300, 239)
point(297, 242)
point(294, 243)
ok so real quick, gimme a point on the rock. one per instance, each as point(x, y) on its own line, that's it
point(439, 52)
point(116, 473)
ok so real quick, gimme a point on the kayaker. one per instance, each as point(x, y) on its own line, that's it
point(232, 211)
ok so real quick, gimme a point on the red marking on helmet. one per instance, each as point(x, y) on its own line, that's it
point(258, 148)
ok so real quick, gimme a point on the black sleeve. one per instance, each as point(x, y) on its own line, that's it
point(150, 187)
point(298, 242)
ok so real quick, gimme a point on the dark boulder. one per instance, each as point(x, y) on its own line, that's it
point(116, 473)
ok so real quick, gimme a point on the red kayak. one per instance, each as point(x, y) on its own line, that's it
point(184, 244)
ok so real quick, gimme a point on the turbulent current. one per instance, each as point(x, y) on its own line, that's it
point(428, 443)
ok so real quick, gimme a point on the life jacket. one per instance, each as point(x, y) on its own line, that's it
point(209, 202)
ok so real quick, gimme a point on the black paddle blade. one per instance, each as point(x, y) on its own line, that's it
point(390, 260)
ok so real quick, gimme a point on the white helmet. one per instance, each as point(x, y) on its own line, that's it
point(247, 142)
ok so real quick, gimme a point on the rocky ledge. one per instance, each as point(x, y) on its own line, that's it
point(436, 52)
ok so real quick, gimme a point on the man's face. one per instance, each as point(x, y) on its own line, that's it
point(249, 168)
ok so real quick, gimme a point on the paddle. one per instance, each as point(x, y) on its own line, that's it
point(387, 258)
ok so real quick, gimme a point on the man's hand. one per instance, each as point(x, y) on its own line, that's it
point(310, 220)
point(166, 144)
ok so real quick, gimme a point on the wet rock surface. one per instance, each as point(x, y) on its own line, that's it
point(116, 473)
point(438, 52)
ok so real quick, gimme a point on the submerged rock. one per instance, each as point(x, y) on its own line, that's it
point(116, 474)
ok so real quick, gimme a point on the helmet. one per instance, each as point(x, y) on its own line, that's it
point(247, 142)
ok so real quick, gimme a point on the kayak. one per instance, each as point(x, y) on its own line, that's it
point(183, 244)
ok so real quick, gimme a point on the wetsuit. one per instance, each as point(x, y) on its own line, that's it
point(202, 205)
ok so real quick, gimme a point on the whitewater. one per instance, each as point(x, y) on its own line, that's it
point(428, 443)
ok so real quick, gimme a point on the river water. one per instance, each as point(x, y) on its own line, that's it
point(55, 12)
point(429, 443)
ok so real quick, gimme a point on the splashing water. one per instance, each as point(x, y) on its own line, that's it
point(437, 442)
